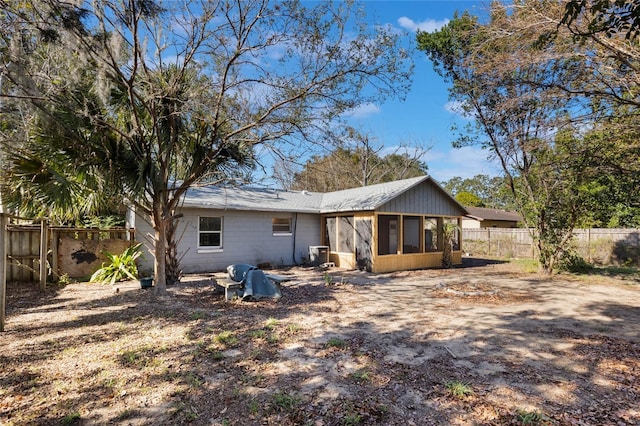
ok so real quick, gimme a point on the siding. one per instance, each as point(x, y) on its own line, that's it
point(423, 199)
point(247, 237)
point(472, 223)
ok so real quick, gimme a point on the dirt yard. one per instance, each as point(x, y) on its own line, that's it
point(485, 344)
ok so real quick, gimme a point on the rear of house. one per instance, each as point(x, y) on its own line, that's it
point(379, 228)
point(223, 226)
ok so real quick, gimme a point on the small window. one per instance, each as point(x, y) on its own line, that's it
point(281, 226)
point(210, 232)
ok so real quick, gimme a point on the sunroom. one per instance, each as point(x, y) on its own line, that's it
point(403, 232)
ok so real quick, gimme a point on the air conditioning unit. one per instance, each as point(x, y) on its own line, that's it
point(318, 255)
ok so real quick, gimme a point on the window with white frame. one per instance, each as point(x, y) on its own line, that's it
point(281, 225)
point(210, 232)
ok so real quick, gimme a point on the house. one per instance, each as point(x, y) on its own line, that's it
point(480, 217)
point(386, 227)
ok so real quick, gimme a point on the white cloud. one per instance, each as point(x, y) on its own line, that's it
point(454, 107)
point(457, 108)
point(429, 25)
point(465, 162)
point(363, 111)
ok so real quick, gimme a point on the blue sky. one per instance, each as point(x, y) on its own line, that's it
point(424, 117)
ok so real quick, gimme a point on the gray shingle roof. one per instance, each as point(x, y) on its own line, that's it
point(367, 197)
point(249, 198)
point(261, 199)
point(481, 213)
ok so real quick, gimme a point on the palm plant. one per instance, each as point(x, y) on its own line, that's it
point(448, 233)
point(121, 267)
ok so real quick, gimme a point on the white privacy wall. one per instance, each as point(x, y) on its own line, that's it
point(247, 237)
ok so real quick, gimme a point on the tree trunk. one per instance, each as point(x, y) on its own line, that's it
point(545, 258)
point(447, 251)
point(173, 271)
point(160, 262)
point(447, 257)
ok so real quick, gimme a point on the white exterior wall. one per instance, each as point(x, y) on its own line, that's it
point(471, 223)
point(247, 237)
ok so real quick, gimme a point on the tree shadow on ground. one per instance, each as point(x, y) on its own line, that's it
point(477, 262)
point(627, 251)
point(381, 377)
point(193, 357)
point(626, 274)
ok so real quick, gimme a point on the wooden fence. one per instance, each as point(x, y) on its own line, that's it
point(36, 250)
point(36, 253)
point(598, 246)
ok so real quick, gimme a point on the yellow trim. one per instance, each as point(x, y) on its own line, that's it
point(391, 262)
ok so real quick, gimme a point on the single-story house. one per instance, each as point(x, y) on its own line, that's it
point(380, 228)
point(480, 217)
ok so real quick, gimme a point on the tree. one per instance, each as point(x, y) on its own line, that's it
point(449, 233)
point(468, 199)
point(527, 94)
point(358, 164)
point(38, 180)
point(181, 94)
point(484, 190)
point(609, 17)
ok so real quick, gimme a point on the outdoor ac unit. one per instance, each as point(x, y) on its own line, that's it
point(318, 255)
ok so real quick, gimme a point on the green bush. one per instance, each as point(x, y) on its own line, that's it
point(121, 267)
point(574, 263)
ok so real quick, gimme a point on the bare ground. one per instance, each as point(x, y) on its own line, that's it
point(343, 348)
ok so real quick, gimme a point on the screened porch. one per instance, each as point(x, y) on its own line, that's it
point(385, 242)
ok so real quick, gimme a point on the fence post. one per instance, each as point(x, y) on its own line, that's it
point(3, 267)
point(44, 250)
point(54, 254)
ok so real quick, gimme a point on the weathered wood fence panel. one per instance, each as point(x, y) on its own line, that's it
point(601, 246)
point(23, 253)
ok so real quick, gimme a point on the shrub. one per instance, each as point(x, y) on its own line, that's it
point(459, 389)
point(574, 263)
point(121, 267)
point(336, 343)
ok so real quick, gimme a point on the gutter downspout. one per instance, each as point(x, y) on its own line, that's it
point(295, 229)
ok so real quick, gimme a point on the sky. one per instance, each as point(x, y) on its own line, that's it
point(425, 116)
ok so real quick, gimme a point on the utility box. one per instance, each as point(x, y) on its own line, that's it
point(318, 255)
